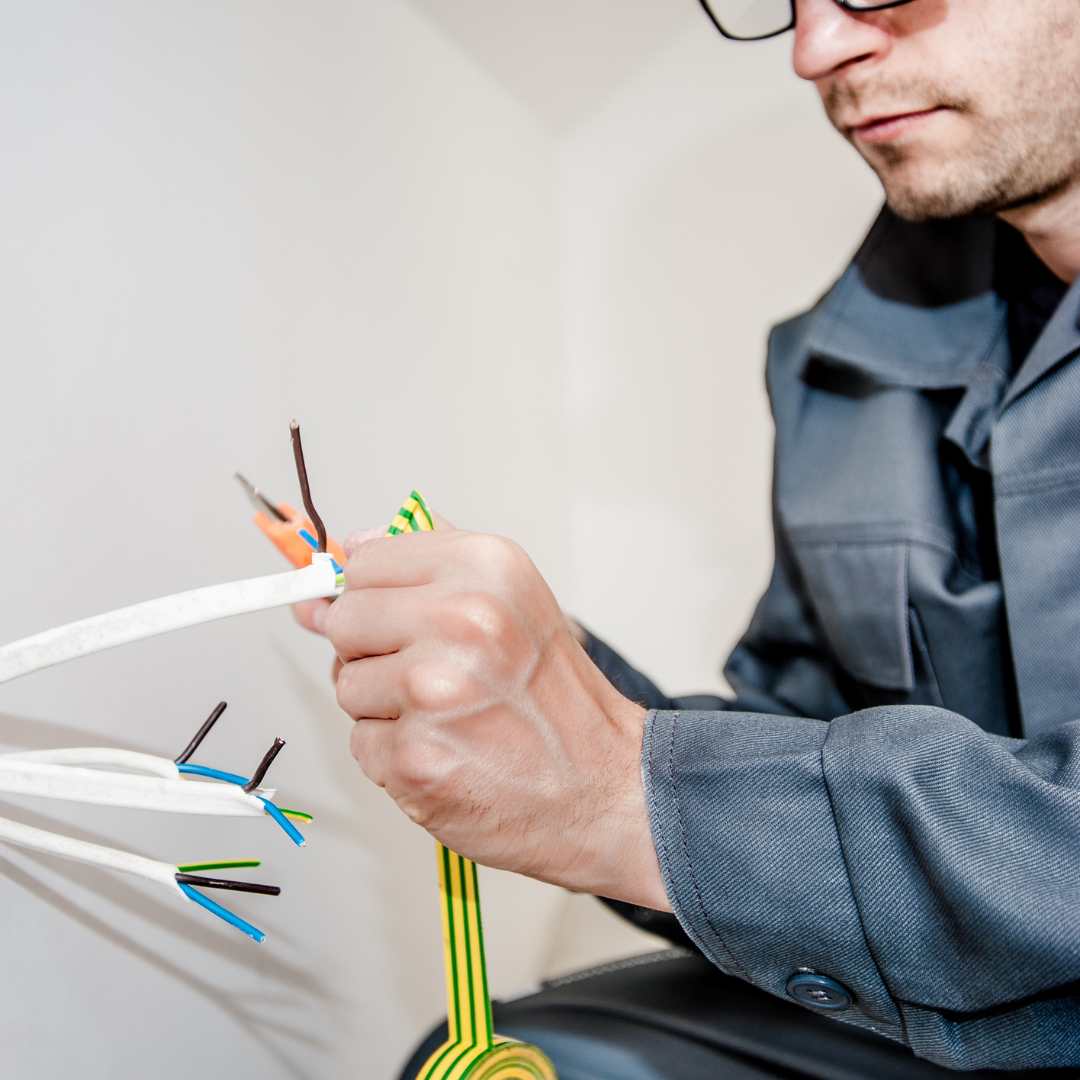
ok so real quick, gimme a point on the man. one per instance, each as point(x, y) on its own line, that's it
point(891, 807)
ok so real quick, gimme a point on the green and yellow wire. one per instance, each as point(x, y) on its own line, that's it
point(472, 1049)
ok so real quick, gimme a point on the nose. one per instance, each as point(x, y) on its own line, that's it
point(829, 37)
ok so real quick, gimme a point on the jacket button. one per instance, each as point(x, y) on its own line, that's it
point(819, 992)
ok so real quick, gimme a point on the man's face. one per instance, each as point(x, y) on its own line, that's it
point(959, 106)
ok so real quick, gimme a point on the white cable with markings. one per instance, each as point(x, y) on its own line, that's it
point(102, 757)
point(13, 832)
point(168, 613)
point(74, 784)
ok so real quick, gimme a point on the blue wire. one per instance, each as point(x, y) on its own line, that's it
point(291, 830)
point(314, 545)
point(214, 774)
point(223, 913)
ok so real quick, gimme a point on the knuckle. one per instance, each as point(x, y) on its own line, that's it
point(346, 690)
point(419, 764)
point(495, 553)
point(435, 686)
point(338, 620)
point(477, 618)
point(364, 746)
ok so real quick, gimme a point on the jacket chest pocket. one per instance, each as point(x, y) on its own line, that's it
point(859, 592)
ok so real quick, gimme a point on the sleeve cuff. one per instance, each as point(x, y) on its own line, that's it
point(750, 854)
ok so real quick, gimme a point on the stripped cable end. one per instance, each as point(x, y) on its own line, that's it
point(267, 761)
point(305, 490)
point(227, 883)
point(222, 913)
point(201, 734)
point(289, 828)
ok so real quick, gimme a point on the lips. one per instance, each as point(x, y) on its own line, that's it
point(886, 128)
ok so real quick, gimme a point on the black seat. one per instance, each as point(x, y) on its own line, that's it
point(673, 1016)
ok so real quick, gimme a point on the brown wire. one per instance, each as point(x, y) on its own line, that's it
point(201, 734)
point(267, 761)
point(305, 491)
point(228, 883)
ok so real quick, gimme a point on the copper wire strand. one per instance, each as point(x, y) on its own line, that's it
point(305, 491)
point(267, 761)
point(201, 734)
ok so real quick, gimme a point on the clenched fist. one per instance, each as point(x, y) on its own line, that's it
point(483, 717)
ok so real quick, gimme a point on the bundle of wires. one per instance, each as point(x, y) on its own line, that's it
point(88, 775)
point(178, 879)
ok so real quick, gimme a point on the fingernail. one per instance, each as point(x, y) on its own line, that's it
point(318, 618)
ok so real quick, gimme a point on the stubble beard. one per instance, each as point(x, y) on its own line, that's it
point(1023, 157)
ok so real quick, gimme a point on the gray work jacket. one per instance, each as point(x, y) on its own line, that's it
point(910, 851)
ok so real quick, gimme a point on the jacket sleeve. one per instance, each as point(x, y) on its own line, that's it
point(632, 684)
point(930, 868)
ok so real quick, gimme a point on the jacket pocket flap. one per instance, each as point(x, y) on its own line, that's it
point(859, 593)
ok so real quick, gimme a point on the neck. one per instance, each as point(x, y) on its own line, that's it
point(1052, 229)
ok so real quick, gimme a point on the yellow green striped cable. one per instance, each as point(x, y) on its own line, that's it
point(413, 516)
point(472, 1050)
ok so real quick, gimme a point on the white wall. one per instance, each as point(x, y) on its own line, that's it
point(547, 313)
point(703, 201)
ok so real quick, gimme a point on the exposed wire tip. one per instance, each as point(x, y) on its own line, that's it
point(201, 734)
point(305, 490)
point(267, 761)
point(290, 830)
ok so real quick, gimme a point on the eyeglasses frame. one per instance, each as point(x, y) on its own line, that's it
point(845, 4)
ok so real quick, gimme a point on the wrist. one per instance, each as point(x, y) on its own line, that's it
point(630, 866)
point(615, 855)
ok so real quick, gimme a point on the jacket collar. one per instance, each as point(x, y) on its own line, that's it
point(1059, 341)
point(916, 307)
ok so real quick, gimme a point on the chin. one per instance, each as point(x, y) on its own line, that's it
point(921, 206)
point(928, 194)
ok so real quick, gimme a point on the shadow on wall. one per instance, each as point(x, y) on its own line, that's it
point(293, 986)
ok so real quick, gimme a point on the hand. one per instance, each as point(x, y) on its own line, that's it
point(485, 720)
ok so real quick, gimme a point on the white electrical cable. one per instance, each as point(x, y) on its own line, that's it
point(102, 757)
point(125, 789)
point(80, 851)
point(168, 613)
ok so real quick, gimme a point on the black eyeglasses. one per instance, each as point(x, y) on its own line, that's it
point(753, 20)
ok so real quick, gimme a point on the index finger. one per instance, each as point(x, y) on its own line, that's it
point(412, 558)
